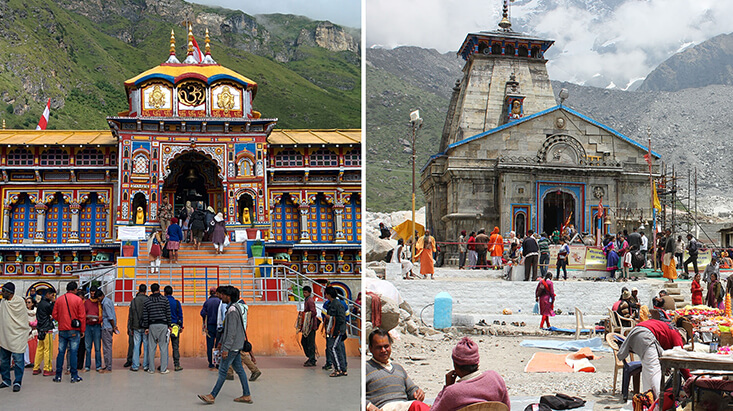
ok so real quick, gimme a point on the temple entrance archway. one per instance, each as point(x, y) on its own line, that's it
point(557, 207)
point(194, 177)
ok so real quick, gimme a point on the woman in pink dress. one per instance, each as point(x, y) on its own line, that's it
point(545, 295)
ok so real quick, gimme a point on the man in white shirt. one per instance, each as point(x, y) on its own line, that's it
point(644, 248)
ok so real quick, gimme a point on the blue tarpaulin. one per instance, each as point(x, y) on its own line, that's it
point(595, 344)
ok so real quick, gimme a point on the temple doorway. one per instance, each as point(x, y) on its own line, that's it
point(193, 177)
point(557, 207)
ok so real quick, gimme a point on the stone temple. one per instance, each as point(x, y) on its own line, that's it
point(510, 157)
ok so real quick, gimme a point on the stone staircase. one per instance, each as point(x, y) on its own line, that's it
point(198, 270)
point(674, 292)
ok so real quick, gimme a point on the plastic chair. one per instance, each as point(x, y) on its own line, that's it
point(630, 369)
point(486, 406)
point(579, 326)
point(613, 322)
point(624, 329)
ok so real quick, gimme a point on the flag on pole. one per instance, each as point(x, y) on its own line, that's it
point(43, 122)
point(197, 51)
point(657, 205)
point(601, 210)
point(567, 223)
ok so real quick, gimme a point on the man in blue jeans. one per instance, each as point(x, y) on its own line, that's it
point(93, 333)
point(14, 330)
point(69, 311)
point(232, 342)
point(209, 315)
point(140, 339)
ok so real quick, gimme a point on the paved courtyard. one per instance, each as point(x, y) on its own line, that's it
point(284, 385)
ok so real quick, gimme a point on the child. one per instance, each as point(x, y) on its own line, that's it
point(626, 265)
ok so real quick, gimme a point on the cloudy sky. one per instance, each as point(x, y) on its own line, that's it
point(342, 12)
point(596, 41)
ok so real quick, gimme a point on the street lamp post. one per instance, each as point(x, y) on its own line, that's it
point(416, 123)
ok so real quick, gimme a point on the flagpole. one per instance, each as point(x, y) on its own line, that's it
point(651, 202)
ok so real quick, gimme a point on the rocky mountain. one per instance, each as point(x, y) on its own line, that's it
point(710, 62)
point(78, 53)
point(690, 127)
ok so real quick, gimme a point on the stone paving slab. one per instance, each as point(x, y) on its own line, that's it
point(284, 385)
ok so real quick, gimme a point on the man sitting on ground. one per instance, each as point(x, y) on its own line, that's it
point(473, 387)
point(664, 301)
point(388, 388)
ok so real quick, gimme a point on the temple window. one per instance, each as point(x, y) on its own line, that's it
point(55, 157)
point(244, 167)
point(140, 164)
point(113, 158)
point(324, 158)
point(352, 157)
point(90, 157)
point(288, 158)
point(20, 157)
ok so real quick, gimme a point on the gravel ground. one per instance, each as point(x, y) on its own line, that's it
point(428, 359)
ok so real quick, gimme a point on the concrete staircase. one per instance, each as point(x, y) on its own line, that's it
point(674, 292)
point(198, 270)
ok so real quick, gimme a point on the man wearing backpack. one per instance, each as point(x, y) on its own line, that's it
point(232, 342)
point(176, 326)
point(692, 249)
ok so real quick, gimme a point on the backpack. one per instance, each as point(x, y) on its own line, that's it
point(242, 310)
point(562, 401)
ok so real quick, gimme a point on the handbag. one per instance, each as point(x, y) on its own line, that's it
point(74, 322)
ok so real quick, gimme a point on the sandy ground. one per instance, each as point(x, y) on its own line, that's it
point(428, 359)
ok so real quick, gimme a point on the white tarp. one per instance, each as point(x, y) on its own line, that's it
point(131, 233)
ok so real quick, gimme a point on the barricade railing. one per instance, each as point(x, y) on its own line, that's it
point(258, 284)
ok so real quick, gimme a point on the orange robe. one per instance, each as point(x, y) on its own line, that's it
point(424, 252)
point(497, 245)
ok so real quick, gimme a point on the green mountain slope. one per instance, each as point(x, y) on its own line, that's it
point(398, 82)
point(79, 54)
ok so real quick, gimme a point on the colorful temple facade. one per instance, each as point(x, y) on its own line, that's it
point(190, 134)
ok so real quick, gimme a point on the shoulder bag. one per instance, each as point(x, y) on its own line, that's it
point(74, 322)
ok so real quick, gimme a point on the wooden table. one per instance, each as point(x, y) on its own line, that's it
point(678, 359)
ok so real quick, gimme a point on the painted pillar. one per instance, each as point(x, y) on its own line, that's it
point(304, 233)
point(75, 208)
point(6, 224)
point(338, 214)
point(40, 223)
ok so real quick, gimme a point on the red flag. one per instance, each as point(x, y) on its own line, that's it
point(197, 51)
point(601, 210)
point(43, 122)
point(648, 158)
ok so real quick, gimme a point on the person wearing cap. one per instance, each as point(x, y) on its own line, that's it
point(209, 315)
point(388, 388)
point(219, 233)
point(473, 386)
point(14, 331)
point(136, 330)
point(626, 308)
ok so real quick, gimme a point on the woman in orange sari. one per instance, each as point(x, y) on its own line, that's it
point(496, 247)
point(424, 252)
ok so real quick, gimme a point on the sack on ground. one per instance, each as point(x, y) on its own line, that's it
point(562, 401)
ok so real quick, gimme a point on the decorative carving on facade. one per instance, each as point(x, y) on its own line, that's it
point(215, 152)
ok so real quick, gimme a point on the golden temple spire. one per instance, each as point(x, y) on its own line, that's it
point(172, 57)
point(505, 23)
point(208, 46)
point(190, 40)
point(173, 43)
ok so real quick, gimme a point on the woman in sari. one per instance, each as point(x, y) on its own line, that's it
point(545, 295)
point(716, 293)
point(472, 254)
point(669, 268)
point(424, 251)
point(696, 290)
